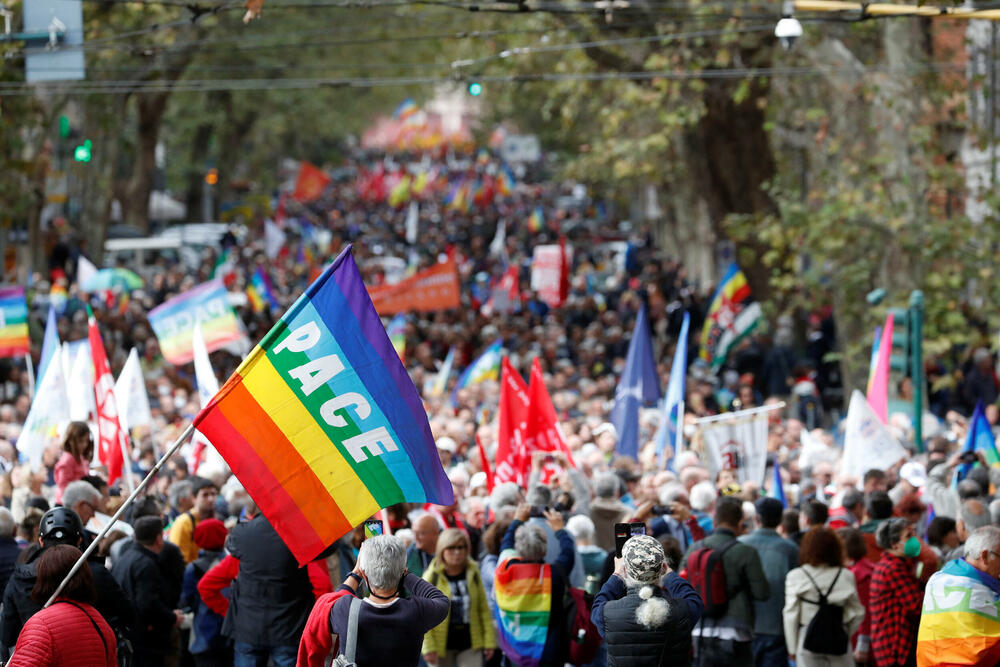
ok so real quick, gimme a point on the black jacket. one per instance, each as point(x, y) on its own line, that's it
point(270, 600)
point(138, 573)
point(631, 644)
point(113, 603)
point(9, 551)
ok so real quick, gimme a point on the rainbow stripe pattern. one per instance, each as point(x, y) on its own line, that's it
point(505, 181)
point(173, 321)
point(321, 422)
point(960, 622)
point(13, 322)
point(406, 110)
point(397, 334)
point(536, 220)
point(485, 367)
point(524, 604)
point(260, 293)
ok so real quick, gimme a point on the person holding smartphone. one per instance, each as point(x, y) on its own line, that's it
point(466, 635)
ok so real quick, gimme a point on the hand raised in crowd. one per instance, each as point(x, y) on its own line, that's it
point(554, 519)
point(523, 512)
point(680, 512)
point(620, 568)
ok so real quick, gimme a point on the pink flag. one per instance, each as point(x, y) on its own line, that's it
point(878, 389)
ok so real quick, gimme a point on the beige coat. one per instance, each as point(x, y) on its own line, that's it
point(798, 612)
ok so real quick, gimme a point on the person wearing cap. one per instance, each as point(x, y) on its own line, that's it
point(208, 647)
point(778, 557)
point(446, 450)
point(644, 621)
point(182, 530)
point(60, 525)
point(912, 478)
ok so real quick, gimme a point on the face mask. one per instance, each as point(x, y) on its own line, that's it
point(912, 548)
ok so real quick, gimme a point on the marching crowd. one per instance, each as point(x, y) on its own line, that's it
point(841, 571)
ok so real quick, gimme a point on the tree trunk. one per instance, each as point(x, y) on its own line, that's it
point(150, 108)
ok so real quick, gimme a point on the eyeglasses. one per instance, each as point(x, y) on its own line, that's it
point(994, 553)
point(456, 547)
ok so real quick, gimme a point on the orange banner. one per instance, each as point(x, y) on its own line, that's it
point(435, 288)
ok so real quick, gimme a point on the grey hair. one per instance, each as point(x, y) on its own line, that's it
point(702, 495)
point(581, 527)
point(606, 485)
point(889, 532)
point(7, 525)
point(383, 560)
point(995, 512)
point(986, 538)
point(972, 520)
point(178, 490)
point(80, 491)
point(531, 542)
point(671, 492)
point(539, 496)
point(507, 494)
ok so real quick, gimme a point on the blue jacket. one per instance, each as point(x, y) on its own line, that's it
point(778, 557)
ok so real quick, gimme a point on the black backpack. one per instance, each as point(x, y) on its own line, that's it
point(825, 633)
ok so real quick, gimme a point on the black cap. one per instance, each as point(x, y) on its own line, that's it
point(61, 525)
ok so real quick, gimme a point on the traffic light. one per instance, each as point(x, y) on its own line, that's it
point(899, 360)
point(475, 89)
point(64, 127)
point(82, 152)
point(212, 177)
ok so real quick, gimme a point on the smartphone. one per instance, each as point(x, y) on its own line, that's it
point(623, 531)
point(538, 511)
point(662, 510)
point(373, 527)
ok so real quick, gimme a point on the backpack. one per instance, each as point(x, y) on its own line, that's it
point(582, 638)
point(707, 575)
point(825, 633)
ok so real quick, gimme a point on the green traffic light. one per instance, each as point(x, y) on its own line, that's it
point(82, 152)
point(64, 127)
point(475, 89)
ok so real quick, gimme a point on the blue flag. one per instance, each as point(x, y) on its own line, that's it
point(670, 424)
point(50, 344)
point(777, 488)
point(638, 385)
point(980, 438)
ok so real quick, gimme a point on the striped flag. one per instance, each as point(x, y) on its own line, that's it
point(485, 367)
point(440, 384)
point(321, 422)
point(397, 334)
point(732, 315)
point(13, 322)
point(112, 445)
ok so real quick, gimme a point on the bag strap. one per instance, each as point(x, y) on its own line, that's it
point(352, 629)
point(94, 623)
point(822, 596)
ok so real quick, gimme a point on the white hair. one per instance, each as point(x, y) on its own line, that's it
point(671, 492)
point(986, 538)
point(504, 495)
point(7, 525)
point(80, 492)
point(531, 542)
point(703, 495)
point(581, 527)
point(383, 560)
point(606, 485)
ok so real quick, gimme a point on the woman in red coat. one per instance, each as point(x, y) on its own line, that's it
point(70, 631)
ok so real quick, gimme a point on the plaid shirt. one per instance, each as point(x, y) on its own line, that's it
point(894, 606)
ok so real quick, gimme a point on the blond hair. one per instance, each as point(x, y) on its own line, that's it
point(450, 537)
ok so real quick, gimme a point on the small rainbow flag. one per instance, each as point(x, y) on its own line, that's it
point(13, 322)
point(485, 367)
point(397, 334)
point(321, 422)
point(440, 383)
point(58, 296)
point(173, 321)
point(406, 110)
point(260, 284)
point(505, 181)
point(536, 220)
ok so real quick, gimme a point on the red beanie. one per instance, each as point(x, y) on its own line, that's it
point(210, 534)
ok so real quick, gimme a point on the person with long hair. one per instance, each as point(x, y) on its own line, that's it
point(821, 573)
point(74, 464)
point(70, 631)
point(466, 636)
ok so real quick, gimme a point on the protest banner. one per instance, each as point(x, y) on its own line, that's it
point(130, 392)
point(173, 322)
point(432, 289)
point(737, 441)
point(549, 264)
point(868, 443)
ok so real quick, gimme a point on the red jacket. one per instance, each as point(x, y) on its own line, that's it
point(221, 576)
point(317, 639)
point(63, 635)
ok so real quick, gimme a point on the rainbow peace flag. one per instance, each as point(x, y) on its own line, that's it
point(524, 604)
point(536, 220)
point(440, 382)
point(406, 109)
point(505, 181)
point(173, 322)
point(260, 293)
point(731, 316)
point(321, 422)
point(397, 334)
point(58, 296)
point(13, 322)
point(485, 367)
point(960, 622)
point(980, 437)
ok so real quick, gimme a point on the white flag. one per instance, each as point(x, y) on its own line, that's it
point(868, 443)
point(80, 386)
point(738, 442)
point(208, 387)
point(85, 270)
point(130, 393)
point(49, 410)
point(815, 451)
point(274, 239)
point(499, 243)
point(412, 220)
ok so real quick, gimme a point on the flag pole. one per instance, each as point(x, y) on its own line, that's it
point(31, 375)
point(121, 510)
point(741, 413)
point(679, 440)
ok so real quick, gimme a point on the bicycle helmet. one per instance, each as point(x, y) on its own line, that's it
point(61, 525)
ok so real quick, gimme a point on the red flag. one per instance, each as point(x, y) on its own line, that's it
point(112, 440)
point(563, 272)
point(544, 428)
point(485, 465)
point(310, 183)
point(512, 434)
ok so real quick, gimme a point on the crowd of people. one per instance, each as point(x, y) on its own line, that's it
point(841, 572)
